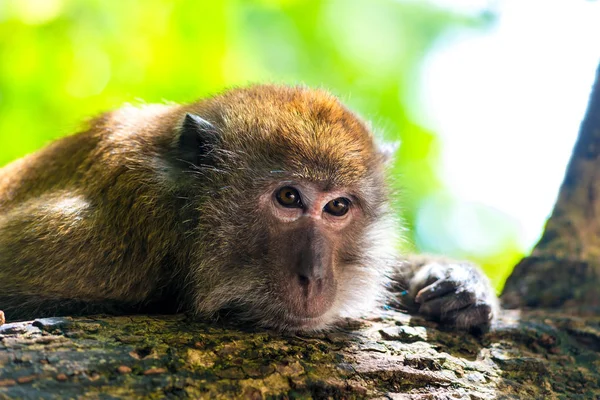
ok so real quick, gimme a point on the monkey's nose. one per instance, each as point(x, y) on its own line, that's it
point(309, 295)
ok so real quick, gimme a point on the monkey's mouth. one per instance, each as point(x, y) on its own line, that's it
point(294, 323)
point(309, 316)
point(289, 310)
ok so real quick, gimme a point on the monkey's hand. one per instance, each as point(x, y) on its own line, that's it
point(457, 294)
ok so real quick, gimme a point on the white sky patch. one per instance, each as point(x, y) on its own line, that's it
point(507, 105)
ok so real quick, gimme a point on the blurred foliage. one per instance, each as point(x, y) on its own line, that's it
point(62, 61)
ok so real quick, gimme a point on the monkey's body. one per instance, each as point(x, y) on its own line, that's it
point(155, 205)
point(79, 224)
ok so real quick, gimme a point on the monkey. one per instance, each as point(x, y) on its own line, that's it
point(268, 201)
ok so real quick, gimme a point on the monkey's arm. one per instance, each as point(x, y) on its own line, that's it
point(455, 293)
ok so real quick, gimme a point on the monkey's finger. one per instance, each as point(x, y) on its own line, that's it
point(426, 276)
point(442, 306)
point(475, 318)
point(439, 288)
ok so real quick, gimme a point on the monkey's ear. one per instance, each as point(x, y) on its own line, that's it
point(197, 141)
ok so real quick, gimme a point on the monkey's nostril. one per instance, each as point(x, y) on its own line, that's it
point(303, 280)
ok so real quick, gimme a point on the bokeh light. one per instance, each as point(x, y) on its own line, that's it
point(506, 103)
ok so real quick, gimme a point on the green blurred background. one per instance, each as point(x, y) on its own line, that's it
point(62, 61)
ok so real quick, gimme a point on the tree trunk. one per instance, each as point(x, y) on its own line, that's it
point(530, 354)
point(563, 269)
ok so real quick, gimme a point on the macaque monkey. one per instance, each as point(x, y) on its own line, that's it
point(268, 201)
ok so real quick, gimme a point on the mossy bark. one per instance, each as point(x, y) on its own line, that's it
point(529, 355)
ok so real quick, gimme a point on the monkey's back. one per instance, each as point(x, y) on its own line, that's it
point(51, 168)
point(88, 218)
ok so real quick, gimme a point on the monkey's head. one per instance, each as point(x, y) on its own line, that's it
point(294, 227)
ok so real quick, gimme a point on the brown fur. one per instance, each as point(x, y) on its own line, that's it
point(108, 215)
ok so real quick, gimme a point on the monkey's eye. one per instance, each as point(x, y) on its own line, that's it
point(337, 207)
point(288, 197)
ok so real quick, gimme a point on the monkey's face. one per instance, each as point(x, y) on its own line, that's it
point(303, 253)
point(312, 254)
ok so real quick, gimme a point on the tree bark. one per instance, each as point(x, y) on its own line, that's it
point(530, 355)
point(563, 269)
